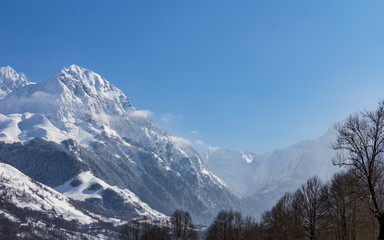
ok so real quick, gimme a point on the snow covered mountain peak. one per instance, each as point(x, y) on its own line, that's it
point(76, 102)
point(91, 82)
point(10, 80)
point(9, 73)
point(86, 83)
point(118, 143)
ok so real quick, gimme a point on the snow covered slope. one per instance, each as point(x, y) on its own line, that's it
point(298, 163)
point(24, 192)
point(76, 101)
point(87, 188)
point(10, 80)
point(118, 143)
point(236, 169)
point(267, 177)
point(31, 210)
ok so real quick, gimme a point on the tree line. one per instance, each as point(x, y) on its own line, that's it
point(336, 210)
point(180, 226)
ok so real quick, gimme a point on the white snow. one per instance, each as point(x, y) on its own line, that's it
point(25, 193)
point(83, 192)
point(247, 158)
point(10, 80)
point(75, 103)
point(267, 177)
point(234, 168)
point(248, 173)
point(23, 127)
point(9, 216)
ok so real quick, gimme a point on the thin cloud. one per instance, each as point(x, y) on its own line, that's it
point(212, 148)
point(194, 132)
point(180, 141)
point(167, 117)
point(141, 114)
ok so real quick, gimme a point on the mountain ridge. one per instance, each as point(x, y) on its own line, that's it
point(267, 177)
point(97, 129)
point(120, 144)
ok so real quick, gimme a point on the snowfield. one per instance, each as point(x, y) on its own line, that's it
point(86, 186)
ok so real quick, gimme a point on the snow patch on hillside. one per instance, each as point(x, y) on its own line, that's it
point(86, 186)
point(26, 126)
point(9, 216)
point(26, 193)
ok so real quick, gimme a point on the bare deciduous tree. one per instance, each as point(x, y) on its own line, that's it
point(251, 229)
point(311, 211)
point(360, 145)
point(131, 231)
point(228, 225)
point(343, 200)
point(154, 232)
point(182, 225)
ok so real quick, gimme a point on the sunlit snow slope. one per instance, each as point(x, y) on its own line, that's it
point(24, 192)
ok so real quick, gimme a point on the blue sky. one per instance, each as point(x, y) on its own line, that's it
point(247, 75)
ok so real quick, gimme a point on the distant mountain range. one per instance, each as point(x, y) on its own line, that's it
point(76, 141)
point(262, 180)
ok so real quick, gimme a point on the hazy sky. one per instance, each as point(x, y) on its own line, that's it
point(248, 75)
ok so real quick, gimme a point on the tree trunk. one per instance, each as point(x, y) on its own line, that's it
point(380, 218)
point(312, 237)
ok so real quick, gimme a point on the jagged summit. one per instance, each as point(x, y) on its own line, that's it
point(76, 102)
point(9, 72)
point(10, 80)
point(87, 82)
point(72, 85)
